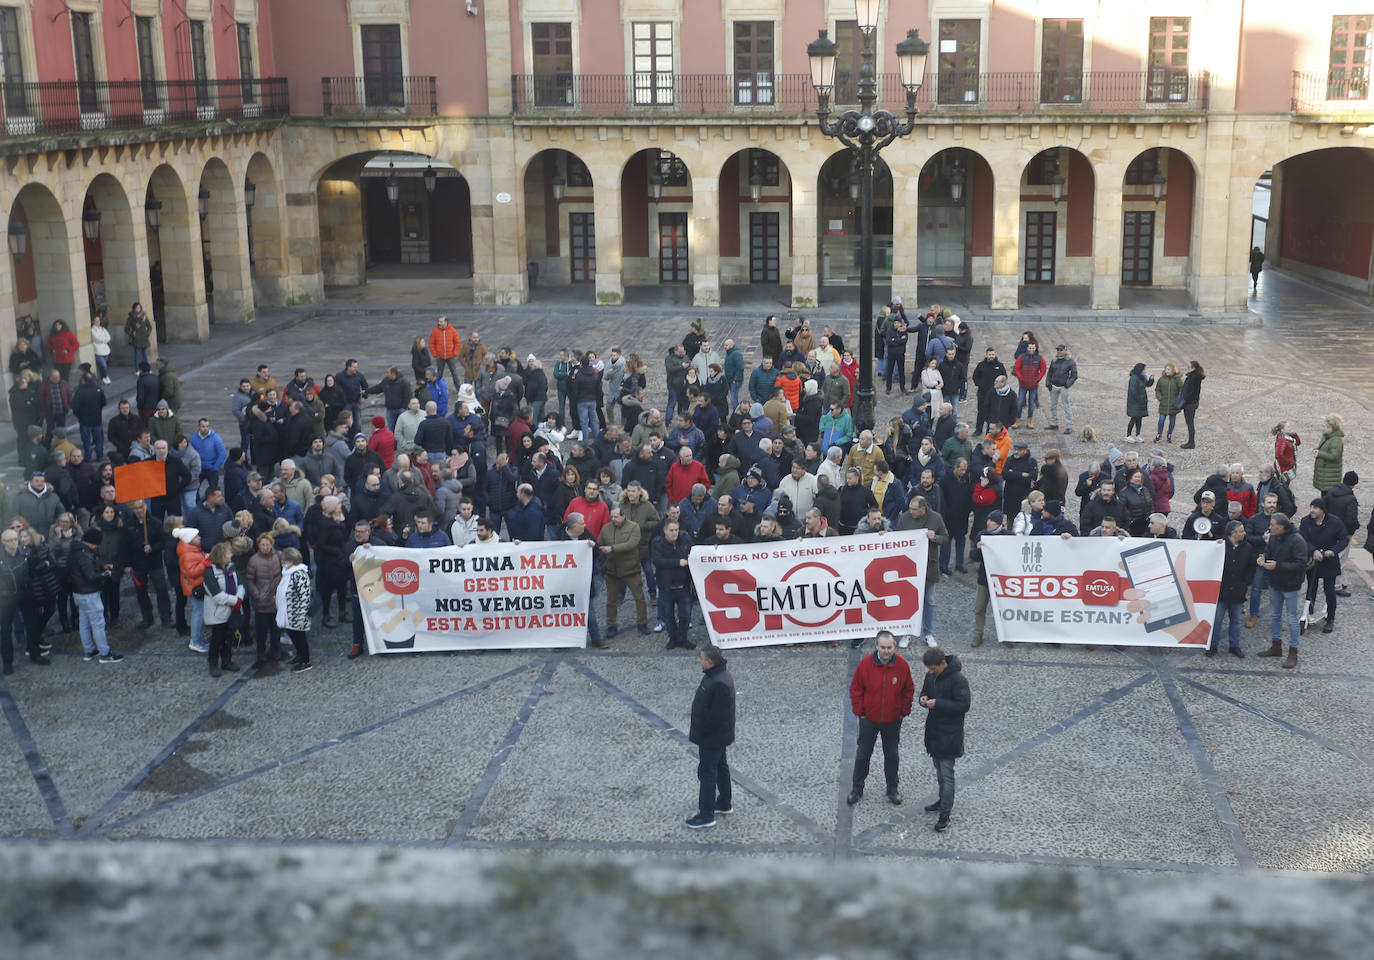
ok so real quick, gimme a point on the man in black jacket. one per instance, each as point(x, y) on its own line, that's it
point(88, 578)
point(1285, 557)
point(1103, 503)
point(669, 552)
point(1341, 504)
point(985, 379)
point(946, 697)
point(1236, 574)
point(712, 730)
point(142, 544)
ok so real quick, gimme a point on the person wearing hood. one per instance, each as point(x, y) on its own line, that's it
point(382, 442)
point(1137, 401)
point(946, 697)
point(881, 692)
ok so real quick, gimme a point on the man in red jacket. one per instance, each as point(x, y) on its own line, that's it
point(881, 694)
point(444, 347)
point(684, 472)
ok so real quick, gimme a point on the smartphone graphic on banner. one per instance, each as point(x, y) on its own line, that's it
point(1151, 571)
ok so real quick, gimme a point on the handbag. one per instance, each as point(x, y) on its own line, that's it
point(501, 423)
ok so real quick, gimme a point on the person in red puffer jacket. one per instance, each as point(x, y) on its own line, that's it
point(62, 347)
point(1030, 369)
point(881, 693)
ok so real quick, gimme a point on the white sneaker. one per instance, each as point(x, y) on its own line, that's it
point(904, 642)
point(930, 640)
point(201, 647)
point(104, 379)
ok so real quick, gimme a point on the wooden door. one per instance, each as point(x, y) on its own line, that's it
point(582, 246)
point(672, 248)
point(1040, 231)
point(763, 247)
point(1138, 247)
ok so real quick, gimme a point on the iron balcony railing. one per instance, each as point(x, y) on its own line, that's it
point(791, 93)
point(1340, 90)
point(68, 105)
point(380, 94)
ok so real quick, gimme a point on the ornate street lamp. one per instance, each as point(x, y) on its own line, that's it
point(19, 240)
point(755, 187)
point(250, 193)
point(203, 199)
point(431, 178)
point(656, 188)
point(393, 186)
point(956, 182)
point(152, 211)
point(90, 226)
point(560, 188)
point(866, 131)
point(1157, 181)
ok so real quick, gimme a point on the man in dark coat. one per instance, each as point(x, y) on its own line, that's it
point(712, 730)
point(1236, 573)
point(946, 698)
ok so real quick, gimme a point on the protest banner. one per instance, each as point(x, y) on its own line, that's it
point(533, 595)
point(800, 591)
point(1129, 592)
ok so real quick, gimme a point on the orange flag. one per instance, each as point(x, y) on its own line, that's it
point(135, 481)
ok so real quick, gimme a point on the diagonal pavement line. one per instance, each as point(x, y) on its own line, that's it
point(664, 726)
point(1316, 738)
point(849, 737)
point(646, 846)
point(1224, 672)
point(1022, 748)
point(42, 777)
point(312, 750)
point(503, 752)
point(191, 729)
point(1229, 824)
point(983, 856)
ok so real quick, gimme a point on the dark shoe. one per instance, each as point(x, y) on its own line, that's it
point(1329, 625)
point(329, 622)
point(301, 667)
point(612, 631)
point(945, 571)
point(184, 629)
point(1292, 660)
point(644, 628)
point(699, 821)
point(1211, 651)
point(353, 654)
point(214, 670)
point(145, 623)
point(229, 665)
point(729, 809)
point(931, 807)
point(41, 661)
point(88, 657)
point(1275, 649)
point(1186, 446)
point(854, 797)
point(856, 643)
point(1342, 592)
point(1156, 438)
point(1053, 426)
point(112, 657)
point(600, 645)
point(8, 669)
point(894, 797)
point(346, 614)
point(1068, 430)
point(942, 825)
point(1237, 652)
point(960, 568)
point(45, 648)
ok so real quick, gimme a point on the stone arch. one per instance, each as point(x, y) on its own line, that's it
point(838, 250)
point(559, 215)
point(266, 224)
point(755, 220)
point(954, 233)
point(224, 238)
point(176, 273)
point(1056, 219)
point(654, 235)
point(114, 269)
point(44, 285)
point(1158, 234)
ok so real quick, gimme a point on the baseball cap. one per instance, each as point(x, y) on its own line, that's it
point(1208, 495)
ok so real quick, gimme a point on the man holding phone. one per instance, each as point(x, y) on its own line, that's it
point(1285, 558)
point(946, 698)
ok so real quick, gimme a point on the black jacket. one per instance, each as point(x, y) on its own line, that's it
point(1290, 553)
point(713, 709)
point(945, 724)
point(1218, 531)
point(1341, 504)
point(86, 572)
point(671, 574)
point(1097, 508)
point(986, 374)
point(1237, 571)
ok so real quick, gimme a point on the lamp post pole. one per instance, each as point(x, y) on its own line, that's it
point(866, 131)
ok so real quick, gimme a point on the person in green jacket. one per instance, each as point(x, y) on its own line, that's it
point(734, 371)
point(1326, 468)
point(1137, 401)
point(561, 369)
point(1167, 391)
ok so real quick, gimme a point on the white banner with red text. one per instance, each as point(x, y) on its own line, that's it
point(1100, 590)
point(800, 591)
point(475, 597)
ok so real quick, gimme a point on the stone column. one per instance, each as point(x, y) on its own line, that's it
point(183, 270)
point(704, 239)
point(341, 243)
point(265, 238)
point(498, 226)
point(1273, 229)
point(806, 284)
point(8, 334)
point(906, 177)
point(303, 278)
point(1104, 293)
point(610, 276)
point(227, 229)
point(1006, 240)
point(1220, 263)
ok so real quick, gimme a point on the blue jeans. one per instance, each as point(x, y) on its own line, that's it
point(1256, 588)
point(537, 411)
point(1159, 427)
point(1278, 601)
point(102, 366)
point(586, 415)
point(140, 356)
point(678, 614)
point(93, 442)
point(197, 622)
point(734, 395)
point(713, 772)
point(563, 406)
point(944, 777)
point(1026, 401)
point(1060, 395)
point(1231, 612)
point(391, 417)
point(188, 500)
point(928, 613)
point(91, 616)
point(958, 544)
point(650, 577)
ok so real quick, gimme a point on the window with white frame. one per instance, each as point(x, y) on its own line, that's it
point(652, 53)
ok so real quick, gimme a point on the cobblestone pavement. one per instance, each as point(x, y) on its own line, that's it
point(1079, 758)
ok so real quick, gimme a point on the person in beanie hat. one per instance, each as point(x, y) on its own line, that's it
point(1341, 503)
point(88, 578)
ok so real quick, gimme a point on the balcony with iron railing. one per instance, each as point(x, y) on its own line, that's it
point(28, 109)
point(1340, 92)
point(380, 95)
point(953, 94)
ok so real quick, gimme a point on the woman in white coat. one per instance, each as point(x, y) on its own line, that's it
point(224, 594)
point(293, 606)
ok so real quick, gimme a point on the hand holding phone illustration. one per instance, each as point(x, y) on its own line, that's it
point(1160, 594)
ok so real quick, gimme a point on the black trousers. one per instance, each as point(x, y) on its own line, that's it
point(219, 645)
point(301, 644)
point(29, 613)
point(868, 736)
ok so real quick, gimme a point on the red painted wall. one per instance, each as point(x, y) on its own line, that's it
point(981, 201)
point(448, 44)
point(1328, 210)
point(226, 58)
point(1078, 239)
point(729, 207)
point(121, 45)
point(267, 61)
point(1178, 205)
point(703, 43)
point(1011, 43)
point(328, 54)
point(52, 40)
point(634, 208)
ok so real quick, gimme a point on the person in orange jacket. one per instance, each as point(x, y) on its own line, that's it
point(444, 347)
point(191, 562)
point(999, 435)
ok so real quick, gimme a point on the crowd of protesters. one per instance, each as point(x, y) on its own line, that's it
point(251, 543)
